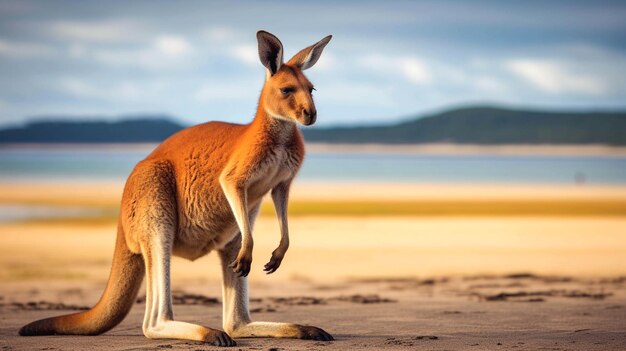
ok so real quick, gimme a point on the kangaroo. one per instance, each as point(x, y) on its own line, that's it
point(199, 191)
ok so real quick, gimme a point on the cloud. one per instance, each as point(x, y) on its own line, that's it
point(81, 89)
point(411, 68)
point(555, 77)
point(125, 91)
point(354, 94)
point(489, 84)
point(229, 90)
point(246, 54)
point(172, 45)
point(222, 34)
point(414, 70)
point(142, 58)
point(98, 32)
point(24, 50)
point(163, 51)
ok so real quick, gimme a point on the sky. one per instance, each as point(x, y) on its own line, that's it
point(388, 60)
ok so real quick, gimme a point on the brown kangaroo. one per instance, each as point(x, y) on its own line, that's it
point(200, 190)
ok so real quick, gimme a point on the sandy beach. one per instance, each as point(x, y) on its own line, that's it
point(449, 313)
point(415, 149)
point(459, 279)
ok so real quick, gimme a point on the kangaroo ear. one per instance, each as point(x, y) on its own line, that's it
point(307, 57)
point(270, 51)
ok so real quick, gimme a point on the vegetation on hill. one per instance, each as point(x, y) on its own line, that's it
point(488, 125)
point(475, 125)
point(135, 130)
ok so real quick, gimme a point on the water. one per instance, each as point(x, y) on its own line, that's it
point(11, 213)
point(63, 164)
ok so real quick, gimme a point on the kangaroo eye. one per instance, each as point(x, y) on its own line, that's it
point(286, 91)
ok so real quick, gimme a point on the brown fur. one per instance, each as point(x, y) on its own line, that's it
point(200, 191)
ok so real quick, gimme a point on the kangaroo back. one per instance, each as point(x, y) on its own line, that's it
point(125, 279)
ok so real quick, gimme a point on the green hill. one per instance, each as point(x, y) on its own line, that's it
point(132, 130)
point(475, 125)
point(488, 125)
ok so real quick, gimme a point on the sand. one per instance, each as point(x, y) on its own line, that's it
point(108, 193)
point(331, 248)
point(449, 277)
point(448, 313)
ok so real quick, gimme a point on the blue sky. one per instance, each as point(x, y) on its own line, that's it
point(388, 60)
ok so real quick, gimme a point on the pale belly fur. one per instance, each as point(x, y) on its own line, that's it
point(196, 239)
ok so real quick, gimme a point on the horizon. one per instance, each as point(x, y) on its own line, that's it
point(385, 64)
point(124, 117)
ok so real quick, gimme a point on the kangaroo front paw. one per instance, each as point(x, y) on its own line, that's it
point(241, 265)
point(313, 333)
point(219, 338)
point(274, 263)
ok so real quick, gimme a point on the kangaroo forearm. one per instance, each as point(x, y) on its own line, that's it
point(280, 195)
point(237, 198)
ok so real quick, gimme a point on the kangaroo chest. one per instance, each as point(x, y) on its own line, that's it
point(278, 165)
point(208, 223)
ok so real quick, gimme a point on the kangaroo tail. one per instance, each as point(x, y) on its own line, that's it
point(125, 279)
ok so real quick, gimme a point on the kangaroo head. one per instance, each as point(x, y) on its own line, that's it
point(287, 92)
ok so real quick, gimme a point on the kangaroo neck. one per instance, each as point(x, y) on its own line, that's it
point(274, 128)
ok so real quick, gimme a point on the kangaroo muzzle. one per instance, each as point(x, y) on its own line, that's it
point(309, 116)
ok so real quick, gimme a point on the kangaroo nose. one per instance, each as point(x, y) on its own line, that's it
point(309, 115)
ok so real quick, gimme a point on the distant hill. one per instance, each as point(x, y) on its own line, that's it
point(475, 125)
point(488, 125)
point(133, 130)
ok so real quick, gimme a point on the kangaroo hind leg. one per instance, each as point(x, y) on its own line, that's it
point(153, 226)
point(236, 313)
point(159, 320)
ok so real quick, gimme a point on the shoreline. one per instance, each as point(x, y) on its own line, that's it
point(451, 149)
point(109, 192)
point(370, 148)
point(97, 202)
